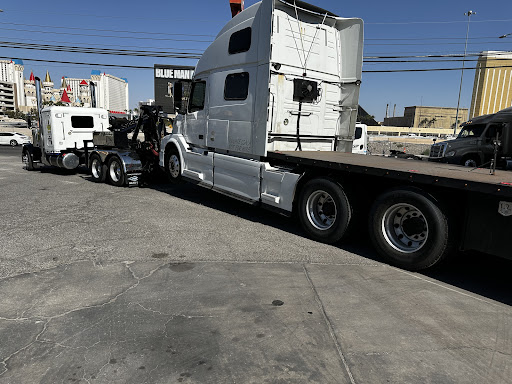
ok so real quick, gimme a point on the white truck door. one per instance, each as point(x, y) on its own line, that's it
point(196, 117)
point(198, 161)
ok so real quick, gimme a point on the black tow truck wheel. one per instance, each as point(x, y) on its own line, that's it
point(27, 159)
point(116, 175)
point(409, 230)
point(98, 169)
point(324, 210)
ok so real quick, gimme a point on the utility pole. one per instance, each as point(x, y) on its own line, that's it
point(468, 14)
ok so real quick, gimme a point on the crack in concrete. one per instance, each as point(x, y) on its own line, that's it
point(330, 327)
point(4, 362)
point(461, 348)
point(174, 315)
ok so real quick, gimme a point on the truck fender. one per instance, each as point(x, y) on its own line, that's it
point(130, 160)
point(173, 140)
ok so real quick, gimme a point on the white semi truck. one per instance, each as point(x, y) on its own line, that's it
point(270, 118)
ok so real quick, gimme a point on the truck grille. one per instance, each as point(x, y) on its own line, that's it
point(437, 150)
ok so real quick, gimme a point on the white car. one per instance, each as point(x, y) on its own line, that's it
point(13, 138)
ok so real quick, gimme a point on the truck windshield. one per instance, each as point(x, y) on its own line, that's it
point(472, 131)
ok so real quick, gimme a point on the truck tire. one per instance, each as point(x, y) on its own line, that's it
point(470, 161)
point(409, 230)
point(324, 210)
point(115, 172)
point(173, 165)
point(27, 159)
point(98, 169)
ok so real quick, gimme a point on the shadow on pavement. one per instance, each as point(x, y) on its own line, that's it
point(480, 274)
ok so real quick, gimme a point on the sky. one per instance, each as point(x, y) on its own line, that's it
point(392, 28)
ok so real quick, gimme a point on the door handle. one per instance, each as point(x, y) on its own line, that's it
point(201, 137)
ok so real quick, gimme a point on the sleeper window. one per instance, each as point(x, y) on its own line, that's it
point(240, 41)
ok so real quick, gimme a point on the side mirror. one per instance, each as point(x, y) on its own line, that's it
point(506, 140)
point(178, 96)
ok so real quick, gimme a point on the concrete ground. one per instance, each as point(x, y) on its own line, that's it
point(174, 284)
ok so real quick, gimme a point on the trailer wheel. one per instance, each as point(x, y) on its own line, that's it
point(115, 172)
point(324, 210)
point(27, 159)
point(173, 165)
point(409, 230)
point(98, 169)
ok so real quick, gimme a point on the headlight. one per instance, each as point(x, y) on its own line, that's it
point(450, 154)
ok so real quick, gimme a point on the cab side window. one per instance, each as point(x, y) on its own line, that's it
point(240, 41)
point(493, 129)
point(197, 96)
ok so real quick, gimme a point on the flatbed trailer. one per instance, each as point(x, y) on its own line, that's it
point(477, 203)
point(463, 179)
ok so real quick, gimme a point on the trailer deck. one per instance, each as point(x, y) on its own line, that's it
point(414, 171)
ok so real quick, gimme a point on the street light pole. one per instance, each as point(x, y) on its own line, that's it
point(468, 14)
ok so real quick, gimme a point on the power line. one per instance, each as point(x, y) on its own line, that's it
point(89, 64)
point(117, 45)
point(447, 43)
point(366, 71)
point(97, 51)
point(188, 55)
point(433, 69)
point(195, 35)
point(188, 20)
point(109, 36)
point(107, 30)
point(435, 22)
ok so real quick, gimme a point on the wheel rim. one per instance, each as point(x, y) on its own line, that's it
point(174, 166)
point(14, 143)
point(115, 171)
point(321, 210)
point(405, 228)
point(470, 163)
point(24, 158)
point(96, 168)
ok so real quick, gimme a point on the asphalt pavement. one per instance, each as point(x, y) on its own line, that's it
point(176, 284)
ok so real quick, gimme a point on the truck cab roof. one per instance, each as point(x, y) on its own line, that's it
point(75, 110)
point(504, 115)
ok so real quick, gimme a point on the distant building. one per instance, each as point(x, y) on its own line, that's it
point(492, 85)
point(7, 97)
point(427, 117)
point(17, 93)
point(111, 92)
point(149, 102)
point(11, 78)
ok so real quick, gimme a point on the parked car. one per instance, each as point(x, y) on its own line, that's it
point(13, 138)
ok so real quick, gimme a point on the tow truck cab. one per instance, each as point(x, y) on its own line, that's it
point(59, 141)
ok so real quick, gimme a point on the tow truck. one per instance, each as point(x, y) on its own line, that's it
point(70, 137)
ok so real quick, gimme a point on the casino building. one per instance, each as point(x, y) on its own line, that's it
point(19, 94)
